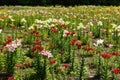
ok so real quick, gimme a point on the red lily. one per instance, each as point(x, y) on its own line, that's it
point(52, 61)
point(73, 41)
point(37, 41)
point(11, 78)
point(37, 47)
point(115, 53)
point(66, 65)
point(116, 70)
point(106, 55)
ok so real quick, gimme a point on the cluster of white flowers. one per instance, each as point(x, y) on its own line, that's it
point(0, 30)
point(31, 27)
point(98, 42)
point(48, 23)
point(90, 23)
point(99, 23)
point(11, 18)
point(23, 20)
point(1, 19)
point(116, 28)
point(80, 26)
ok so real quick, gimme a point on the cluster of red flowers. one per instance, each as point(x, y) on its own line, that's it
point(54, 29)
point(66, 65)
point(61, 25)
point(11, 78)
point(116, 70)
point(72, 33)
point(0, 27)
point(8, 41)
point(13, 27)
point(73, 41)
point(35, 32)
point(18, 65)
point(88, 48)
point(67, 33)
point(115, 53)
point(37, 41)
point(108, 55)
point(52, 61)
point(37, 47)
point(51, 45)
point(76, 42)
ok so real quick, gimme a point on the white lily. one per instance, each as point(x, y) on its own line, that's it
point(118, 27)
point(10, 17)
point(31, 27)
point(99, 42)
point(90, 23)
point(0, 30)
point(99, 23)
point(80, 26)
point(114, 26)
point(23, 20)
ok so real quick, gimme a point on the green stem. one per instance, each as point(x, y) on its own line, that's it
point(73, 59)
point(81, 68)
point(99, 66)
point(52, 73)
point(69, 51)
point(106, 70)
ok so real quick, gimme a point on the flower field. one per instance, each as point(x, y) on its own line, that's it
point(60, 43)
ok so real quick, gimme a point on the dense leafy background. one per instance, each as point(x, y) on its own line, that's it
point(60, 2)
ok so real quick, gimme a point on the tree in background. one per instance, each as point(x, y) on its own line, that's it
point(59, 2)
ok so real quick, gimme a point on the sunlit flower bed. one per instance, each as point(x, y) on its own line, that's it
point(59, 43)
